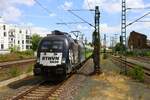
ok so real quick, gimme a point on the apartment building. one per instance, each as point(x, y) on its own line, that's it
point(12, 36)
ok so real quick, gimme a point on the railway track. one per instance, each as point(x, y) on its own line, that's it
point(18, 62)
point(143, 59)
point(44, 91)
point(41, 91)
point(130, 64)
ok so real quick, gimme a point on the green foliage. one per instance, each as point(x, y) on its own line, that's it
point(14, 71)
point(104, 56)
point(137, 73)
point(30, 68)
point(88, 53)
point(148, 53)
point(2, 57)
point(119, 47)
point(138, 53)
point(17, 55)
point(14, 49)
point(35, 41)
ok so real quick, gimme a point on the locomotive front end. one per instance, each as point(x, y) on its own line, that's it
point(51, 59)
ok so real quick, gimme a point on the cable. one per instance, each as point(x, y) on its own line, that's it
point(72, 23)
point(144, 21)
point(47, 10)
point(137, 19)
point(88, 4)
point(137, 8)
point(81, 18)
point(81, 10)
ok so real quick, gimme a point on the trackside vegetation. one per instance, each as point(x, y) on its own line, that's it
point(16, 55)
point(137, 73)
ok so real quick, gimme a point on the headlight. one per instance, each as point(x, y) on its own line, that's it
point(63, 60)
point(38, 60)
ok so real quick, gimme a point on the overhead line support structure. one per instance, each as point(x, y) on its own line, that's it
point(123, 38)
point(96, 42)
point(95, 38)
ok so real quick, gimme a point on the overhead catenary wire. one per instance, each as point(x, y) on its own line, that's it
point(49, 12)
point(80, 18)
point(137, 19)
point(81, 10)
point(71, 23)
point(138, 8)
point(88, 4)
point(144, 21)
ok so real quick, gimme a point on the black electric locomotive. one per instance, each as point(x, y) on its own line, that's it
point(57, 55)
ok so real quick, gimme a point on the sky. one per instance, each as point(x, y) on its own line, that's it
point(42, 18)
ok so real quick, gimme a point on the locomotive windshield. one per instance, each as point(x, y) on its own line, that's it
point(52, 45)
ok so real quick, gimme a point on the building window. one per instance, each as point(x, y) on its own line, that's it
point(11, 33)
point(18, 42)
point(20, 31)
point(4, 27)
point(26, 31)
point(2, 46)
point(27, 47)
point(4, 34)
point(22, 41)
point(27, 41)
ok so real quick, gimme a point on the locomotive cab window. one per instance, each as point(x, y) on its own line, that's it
point(52, 45)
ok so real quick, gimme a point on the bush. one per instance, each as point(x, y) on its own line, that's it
point(14, 49)
point(14, 71)
point(30, 68)
point(104, 56)
point(138, 53)
point(137, 73)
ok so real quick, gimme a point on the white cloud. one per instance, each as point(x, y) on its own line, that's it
point(25, 2)
point(10, 11)
point(67, 5)
point(113, 6)
point(109, 29)
point(40, 30)
point(81, 27)
point(52, 15)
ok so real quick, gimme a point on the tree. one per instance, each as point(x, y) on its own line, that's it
point(119, 47)
point(35, 41)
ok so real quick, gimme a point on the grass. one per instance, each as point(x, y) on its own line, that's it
point(139, 53)
point(137, 73)
point(105, 56)
point(88, 53)
point(14, 71)
point(16, 56)
point(30, 68)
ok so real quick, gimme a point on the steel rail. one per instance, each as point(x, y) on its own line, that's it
point(6, 64)
point(51, 90)
point(131, 65)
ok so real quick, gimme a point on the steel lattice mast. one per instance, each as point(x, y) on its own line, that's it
point(96, 42)
point(123, 36)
